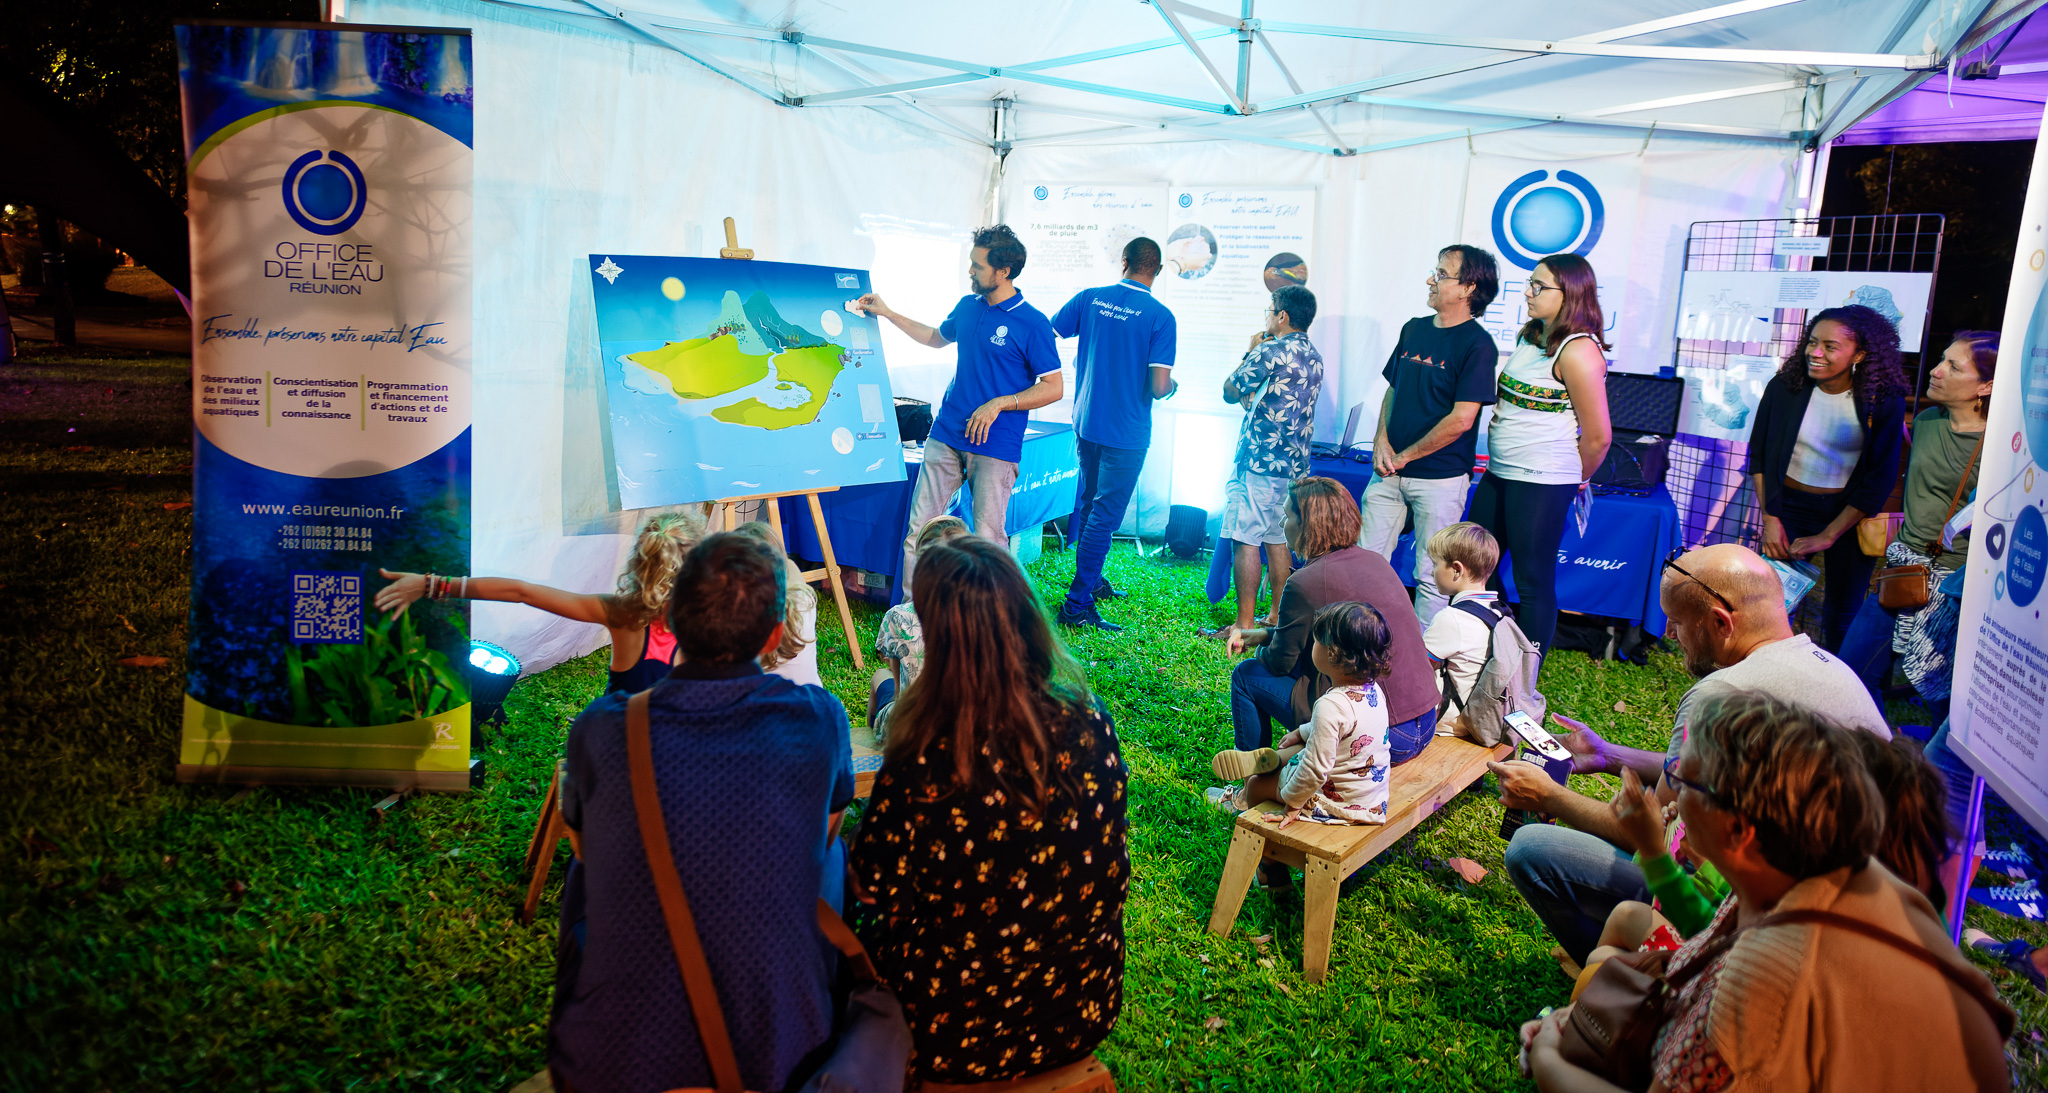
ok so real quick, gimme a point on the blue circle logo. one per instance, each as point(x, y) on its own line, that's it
point(1186, 200)
point(2033, 368)
point(1536, 216)
point(1039, 193)
point(326, 198)
point(2026, 563)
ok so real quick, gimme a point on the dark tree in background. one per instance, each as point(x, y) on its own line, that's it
point(115, 62)
point(1979, 186)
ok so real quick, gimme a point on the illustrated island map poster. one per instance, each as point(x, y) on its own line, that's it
point(727, 377)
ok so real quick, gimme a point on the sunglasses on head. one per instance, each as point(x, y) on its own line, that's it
point(1671, 563)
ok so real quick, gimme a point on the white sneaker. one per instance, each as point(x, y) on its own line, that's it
point(1225, 798)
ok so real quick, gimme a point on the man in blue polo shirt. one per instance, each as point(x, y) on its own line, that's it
point(1009, 365)
point(1125, 360)
point(1438, 376)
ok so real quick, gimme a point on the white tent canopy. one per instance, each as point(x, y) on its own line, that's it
point(1340, 78)
point(875, 136)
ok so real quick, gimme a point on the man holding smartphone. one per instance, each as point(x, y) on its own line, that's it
point(1727, 612)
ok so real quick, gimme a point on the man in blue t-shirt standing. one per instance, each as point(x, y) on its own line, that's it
point(1009, 365)
point(1440, 373)
point(1125, 360)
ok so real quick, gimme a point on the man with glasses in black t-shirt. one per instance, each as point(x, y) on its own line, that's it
point(1440, 373)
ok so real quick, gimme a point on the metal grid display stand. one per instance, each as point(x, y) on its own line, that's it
point(1716, 503)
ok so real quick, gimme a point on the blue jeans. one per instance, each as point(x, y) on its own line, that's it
point(1846, 566)
point(1572, 881)
point(1958, 777)
point(1258, 698)
point(1867, 647)
point(1108, 478)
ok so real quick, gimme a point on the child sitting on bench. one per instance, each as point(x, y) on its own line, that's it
point(1459, 636)
point(1336, 765)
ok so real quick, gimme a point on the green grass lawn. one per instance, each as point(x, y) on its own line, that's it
point(159, 936)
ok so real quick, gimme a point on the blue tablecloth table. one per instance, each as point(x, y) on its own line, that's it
point(868, 523)
point(1612, 570)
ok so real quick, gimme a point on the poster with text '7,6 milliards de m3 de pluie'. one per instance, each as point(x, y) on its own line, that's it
point(728, 378)
point(329, 178)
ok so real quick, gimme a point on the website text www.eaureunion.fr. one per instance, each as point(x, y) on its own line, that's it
point(360, 512)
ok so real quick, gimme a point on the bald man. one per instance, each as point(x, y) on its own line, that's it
point(1727, 612)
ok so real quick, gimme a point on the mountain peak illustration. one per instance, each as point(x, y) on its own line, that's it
point(780, 334)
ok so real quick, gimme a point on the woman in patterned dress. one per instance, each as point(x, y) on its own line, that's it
point(992, 857)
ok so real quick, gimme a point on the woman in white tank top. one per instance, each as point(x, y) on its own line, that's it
point(1549, 433)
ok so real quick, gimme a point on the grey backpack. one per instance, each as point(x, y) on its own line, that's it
point(1506, 680)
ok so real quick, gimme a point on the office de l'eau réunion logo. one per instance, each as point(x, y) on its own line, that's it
point(325, 195)
point(1537, 215)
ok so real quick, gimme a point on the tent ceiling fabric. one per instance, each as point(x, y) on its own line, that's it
point(1338, 78)
point(1949, 106)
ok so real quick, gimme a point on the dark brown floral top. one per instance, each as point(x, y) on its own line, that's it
point(1001, 932)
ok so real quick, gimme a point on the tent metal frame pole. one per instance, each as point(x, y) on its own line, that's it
point(1799, 58)
point(1165, 10)
point(1177, 127)
point(1244, 54)
point(1288, 74)
point(1418, 75)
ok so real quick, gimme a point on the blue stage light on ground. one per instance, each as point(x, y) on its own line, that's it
point(492, 671)
point(492, 659)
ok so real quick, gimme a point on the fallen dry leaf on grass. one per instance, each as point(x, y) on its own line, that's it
point(1265, 962)
point(1621, 707)
point(1214, 1023)
point(1470, 870)
point(143, 662)
point(1262, 940)
point(1285, 989)
point(173, 506)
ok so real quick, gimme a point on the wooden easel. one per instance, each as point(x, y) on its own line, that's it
point(726, 520)
point(829, 572)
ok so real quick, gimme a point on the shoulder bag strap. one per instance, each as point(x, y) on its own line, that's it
point(2001, 1015)
point(1956, 499)
point(675, 907)
point(841, 936)
point(1492, 619)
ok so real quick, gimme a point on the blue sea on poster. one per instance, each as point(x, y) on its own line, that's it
point(725, 378)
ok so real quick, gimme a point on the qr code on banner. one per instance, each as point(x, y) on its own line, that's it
point(327, 607)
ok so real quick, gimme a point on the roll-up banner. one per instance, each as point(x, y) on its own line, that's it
point(329, 175)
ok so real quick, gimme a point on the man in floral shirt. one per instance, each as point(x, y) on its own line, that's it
point(1277, 385)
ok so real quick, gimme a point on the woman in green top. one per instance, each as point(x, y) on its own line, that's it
point(1940, 476)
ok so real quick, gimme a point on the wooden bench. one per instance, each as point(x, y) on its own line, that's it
point(1086, 1076)
point(1328, 853)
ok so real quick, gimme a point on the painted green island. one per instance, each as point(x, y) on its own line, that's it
point(746, 343)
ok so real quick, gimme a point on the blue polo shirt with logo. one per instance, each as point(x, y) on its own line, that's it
point(1124, 331)
point(1004, 348)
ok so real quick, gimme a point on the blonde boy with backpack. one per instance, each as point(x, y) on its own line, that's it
point(1471, 632)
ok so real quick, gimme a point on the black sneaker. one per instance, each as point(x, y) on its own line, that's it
point(1086, 616)
point(1107, 591)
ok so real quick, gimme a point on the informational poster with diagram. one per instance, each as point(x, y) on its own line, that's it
point(1727, 305)
point(2000, 695)
point(1721, 402)
point(1226, 250)
point(1074, 234)
point(1740, 305)
point(725, 378)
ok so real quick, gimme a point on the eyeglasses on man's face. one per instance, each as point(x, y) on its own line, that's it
point(1440, 274)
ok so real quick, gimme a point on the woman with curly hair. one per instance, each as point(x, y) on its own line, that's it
point(643, 648)
point(1824, 451)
